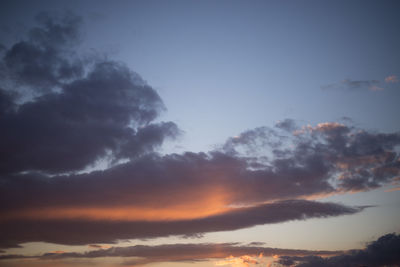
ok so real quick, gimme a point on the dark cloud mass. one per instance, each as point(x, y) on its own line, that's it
point(383, 252)
point(60, 115)
point(45, 59)
point(107, 112)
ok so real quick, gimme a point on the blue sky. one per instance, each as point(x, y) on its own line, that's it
point(330, 70)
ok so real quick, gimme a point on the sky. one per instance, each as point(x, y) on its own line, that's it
point(199, 133)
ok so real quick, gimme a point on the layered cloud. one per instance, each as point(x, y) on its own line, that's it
point(383, 252)
point(228, 253)
point(103, 230)
point(61, 115)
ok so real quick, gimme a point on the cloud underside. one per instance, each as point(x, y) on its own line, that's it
point(62, 114)
point(79, 232)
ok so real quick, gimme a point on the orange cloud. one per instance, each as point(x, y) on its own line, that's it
point(393, 189)
point(58, 252)
point(392, 79)
point(328, 126)
point(97, 246)
point(128, 213)
point(214, 200)
point(242, 261)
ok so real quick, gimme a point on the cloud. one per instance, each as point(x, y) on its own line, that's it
point(231, 253)
point(242, 261)
point(57, 123)
point(391, 79)
point(78, 231)
point(45, 58)
point(383, 252)
point(371, 85)
point(104, 112)
point(97, 246)
point(133, 199)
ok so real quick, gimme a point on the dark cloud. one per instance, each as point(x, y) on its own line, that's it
point(372, 85)
point(287, 124)
point(383, 252)
point(78, 231)
point(46, 58)
point(106, 112)
point(360, 159)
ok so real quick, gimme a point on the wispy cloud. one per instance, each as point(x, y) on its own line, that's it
point(372, 85)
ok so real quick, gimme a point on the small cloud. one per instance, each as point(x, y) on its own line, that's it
point(257, 244)
point(242, 261)
point(375, 88)
point(58, 252)
point(97, 246)
point(391, 79)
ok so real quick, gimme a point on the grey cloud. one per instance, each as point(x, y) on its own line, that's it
point(191, 174)
point(108, 111)
point(383, 252)
point(46, 58)
point(287, 124)
point(364, 160)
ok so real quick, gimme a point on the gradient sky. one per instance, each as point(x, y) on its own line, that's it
point(199, 133)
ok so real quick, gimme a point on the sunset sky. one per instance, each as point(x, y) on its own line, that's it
point(199, 133)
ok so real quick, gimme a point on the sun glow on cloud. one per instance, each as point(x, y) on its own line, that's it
point(242, 261)
point(210, 205)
